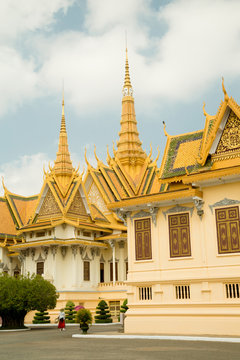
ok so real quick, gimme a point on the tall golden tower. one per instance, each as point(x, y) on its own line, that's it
point(129, 147)
point(63, 168)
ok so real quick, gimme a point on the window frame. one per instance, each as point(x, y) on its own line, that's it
point(37, 268)
point(179, 228)
point(227, 223)
point(146, 250)
point(86, 271)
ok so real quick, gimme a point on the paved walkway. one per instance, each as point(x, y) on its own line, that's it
point(50, 344)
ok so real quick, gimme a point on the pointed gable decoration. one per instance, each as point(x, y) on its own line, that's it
point(222, 132)
point(48, 205)
point(230, 139)
point(77, 207)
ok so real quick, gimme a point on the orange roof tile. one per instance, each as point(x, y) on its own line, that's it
point(7, 225)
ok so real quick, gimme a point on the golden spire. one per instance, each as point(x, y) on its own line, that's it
point(63, 163)
point(129, 147)
point(127, 87)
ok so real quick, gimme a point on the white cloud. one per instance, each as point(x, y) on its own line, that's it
point(17, 17)
point(200, 45)
point(18, 81)
point(25, 175)
point(105, 14)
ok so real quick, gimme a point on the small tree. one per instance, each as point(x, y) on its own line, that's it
point(103, 313)
point(70, 313)
point(19, 295)
point(124, 306)
point(41, 317)
point(84, 317)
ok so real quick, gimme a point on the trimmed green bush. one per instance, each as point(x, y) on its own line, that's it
point(124, 306)
point(70, 313)
point(103, 313)
point(41, 317)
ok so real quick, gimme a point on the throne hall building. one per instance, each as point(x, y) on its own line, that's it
point(167, 238)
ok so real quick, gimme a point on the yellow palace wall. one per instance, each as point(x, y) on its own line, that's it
point(208, 311)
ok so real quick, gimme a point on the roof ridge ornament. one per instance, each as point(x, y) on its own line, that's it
point(99, 162)
point(226, 97)
point(108, 156)
point(85, 155)
point(164, 129)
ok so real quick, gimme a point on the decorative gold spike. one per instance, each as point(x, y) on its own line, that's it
point(127, 82)
point(81, 175)
point(4, 187)
point(108, 156)
point(95, 154)
point(63, 164)
point(224, 90)
point(44, 171)
point(150, 154)
point(129, 147)
point(164, 128)
point(114, 150)
point(204, 111)
point(77, 169)
point(85, 155)
point(157, 154)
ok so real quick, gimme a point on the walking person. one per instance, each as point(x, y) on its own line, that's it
point(61, 320)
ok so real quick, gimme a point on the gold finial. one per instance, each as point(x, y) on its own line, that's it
point(63, 164)
point(157, 155)
point(63, 122)
point(114, 150)
point(204, 111)
point(108, 156)
point(150, 153)
point(164, 128)
point(224, 90)
point(127, 87)
point(95, 154)
point(4, 187)
point(44, 171)
point(85, 155)
point(99, 162)
point(82, 173)
point(77, 169)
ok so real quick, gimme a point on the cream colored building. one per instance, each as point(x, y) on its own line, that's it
point(166, 238)
point(184, 240)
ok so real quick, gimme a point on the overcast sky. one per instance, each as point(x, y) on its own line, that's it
point(178, 52)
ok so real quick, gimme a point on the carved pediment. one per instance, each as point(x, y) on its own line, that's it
point(49, 205)
point(77, 207)
point(229, 142)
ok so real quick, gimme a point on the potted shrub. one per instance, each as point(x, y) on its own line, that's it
point(70, 312)
point(84, 318)
point(103, 313)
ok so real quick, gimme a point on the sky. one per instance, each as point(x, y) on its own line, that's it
point(178, 52)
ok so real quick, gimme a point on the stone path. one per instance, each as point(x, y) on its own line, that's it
point(51, 344)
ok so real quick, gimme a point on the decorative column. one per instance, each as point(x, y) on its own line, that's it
point(112, 244)
point(54, 273)
point(74, 277)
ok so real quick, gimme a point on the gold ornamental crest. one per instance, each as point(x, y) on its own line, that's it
point(230, 139)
